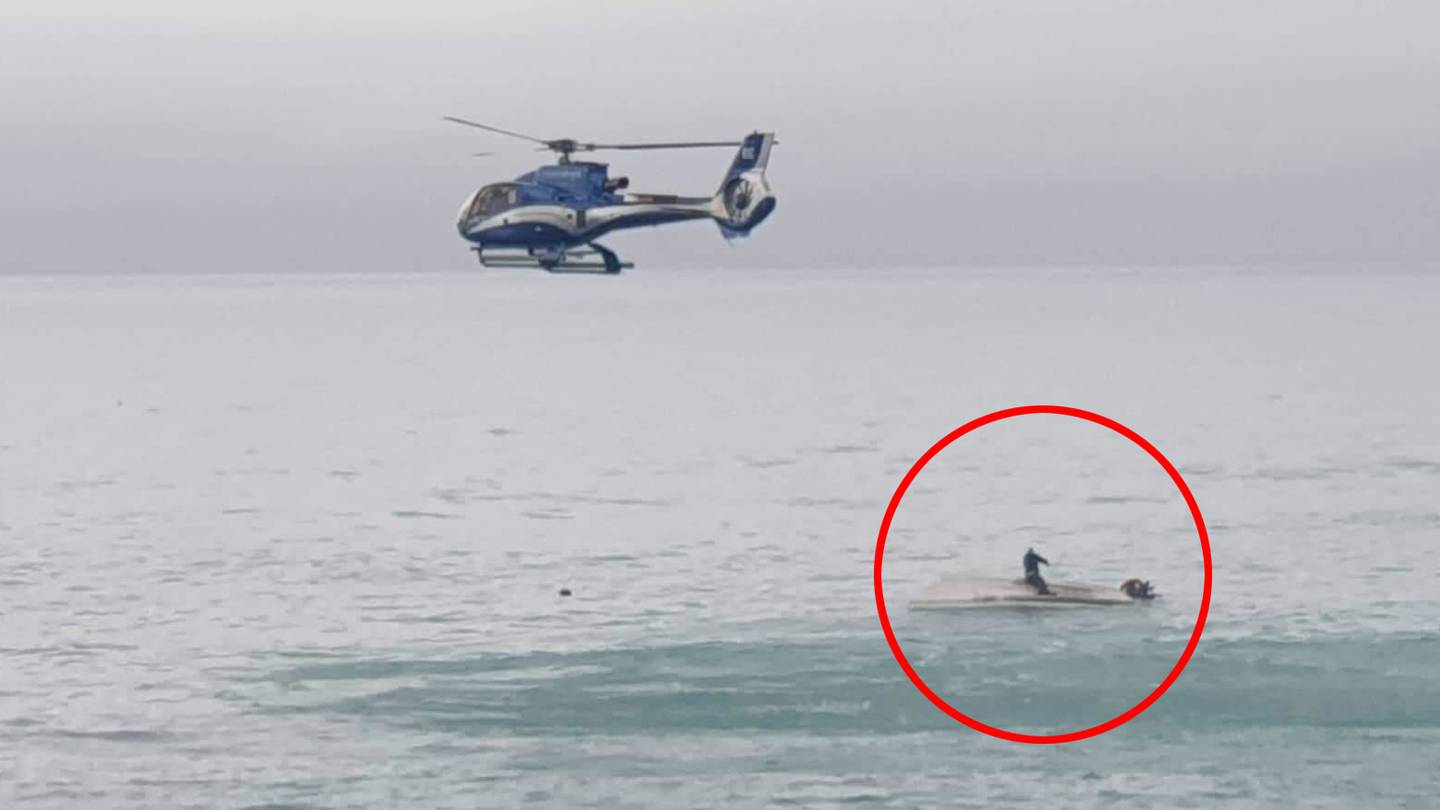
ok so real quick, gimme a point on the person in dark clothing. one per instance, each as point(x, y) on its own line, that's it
point(1138, 589)
point(1032, 563)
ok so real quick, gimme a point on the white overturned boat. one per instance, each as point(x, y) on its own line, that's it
point(970, 593)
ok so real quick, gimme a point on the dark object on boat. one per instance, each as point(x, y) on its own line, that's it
point(1138, 589)
point(564, 591)
point(1032, 563)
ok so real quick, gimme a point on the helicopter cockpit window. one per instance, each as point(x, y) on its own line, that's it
point(493, 199)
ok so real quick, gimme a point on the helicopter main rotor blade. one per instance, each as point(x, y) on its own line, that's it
point(495, 129)
point(680, 145)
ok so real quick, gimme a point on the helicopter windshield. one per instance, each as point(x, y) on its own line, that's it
point(493, 199)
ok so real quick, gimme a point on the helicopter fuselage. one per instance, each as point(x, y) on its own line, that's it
point(566, 205)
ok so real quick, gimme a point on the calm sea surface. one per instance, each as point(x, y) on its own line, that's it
point(277, 541)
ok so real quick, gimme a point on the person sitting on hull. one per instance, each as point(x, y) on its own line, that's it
point(1138, 589)
point(1032, 564)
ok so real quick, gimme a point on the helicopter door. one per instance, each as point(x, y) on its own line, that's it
point(580, 218)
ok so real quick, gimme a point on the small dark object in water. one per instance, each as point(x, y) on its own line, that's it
point(564, 591)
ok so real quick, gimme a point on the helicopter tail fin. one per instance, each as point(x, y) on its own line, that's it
point(744, 198)
point(754, 155)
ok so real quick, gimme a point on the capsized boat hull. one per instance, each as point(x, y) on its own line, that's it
point(974, 593)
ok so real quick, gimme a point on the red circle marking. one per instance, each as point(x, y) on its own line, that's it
point(1114, 722)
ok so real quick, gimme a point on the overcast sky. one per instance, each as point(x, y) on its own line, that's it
point(264, 136)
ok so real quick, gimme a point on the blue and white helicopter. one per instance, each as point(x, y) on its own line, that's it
point(551, 217)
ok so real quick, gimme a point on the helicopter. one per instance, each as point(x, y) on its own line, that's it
point(550, 218)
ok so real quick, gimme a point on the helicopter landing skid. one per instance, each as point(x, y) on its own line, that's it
point(576, 260)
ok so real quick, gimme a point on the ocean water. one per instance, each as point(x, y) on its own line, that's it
point(273, 541)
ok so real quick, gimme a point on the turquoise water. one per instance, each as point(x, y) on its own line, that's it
point(297, 542)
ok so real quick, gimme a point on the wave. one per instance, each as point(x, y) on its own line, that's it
point(852, 685)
